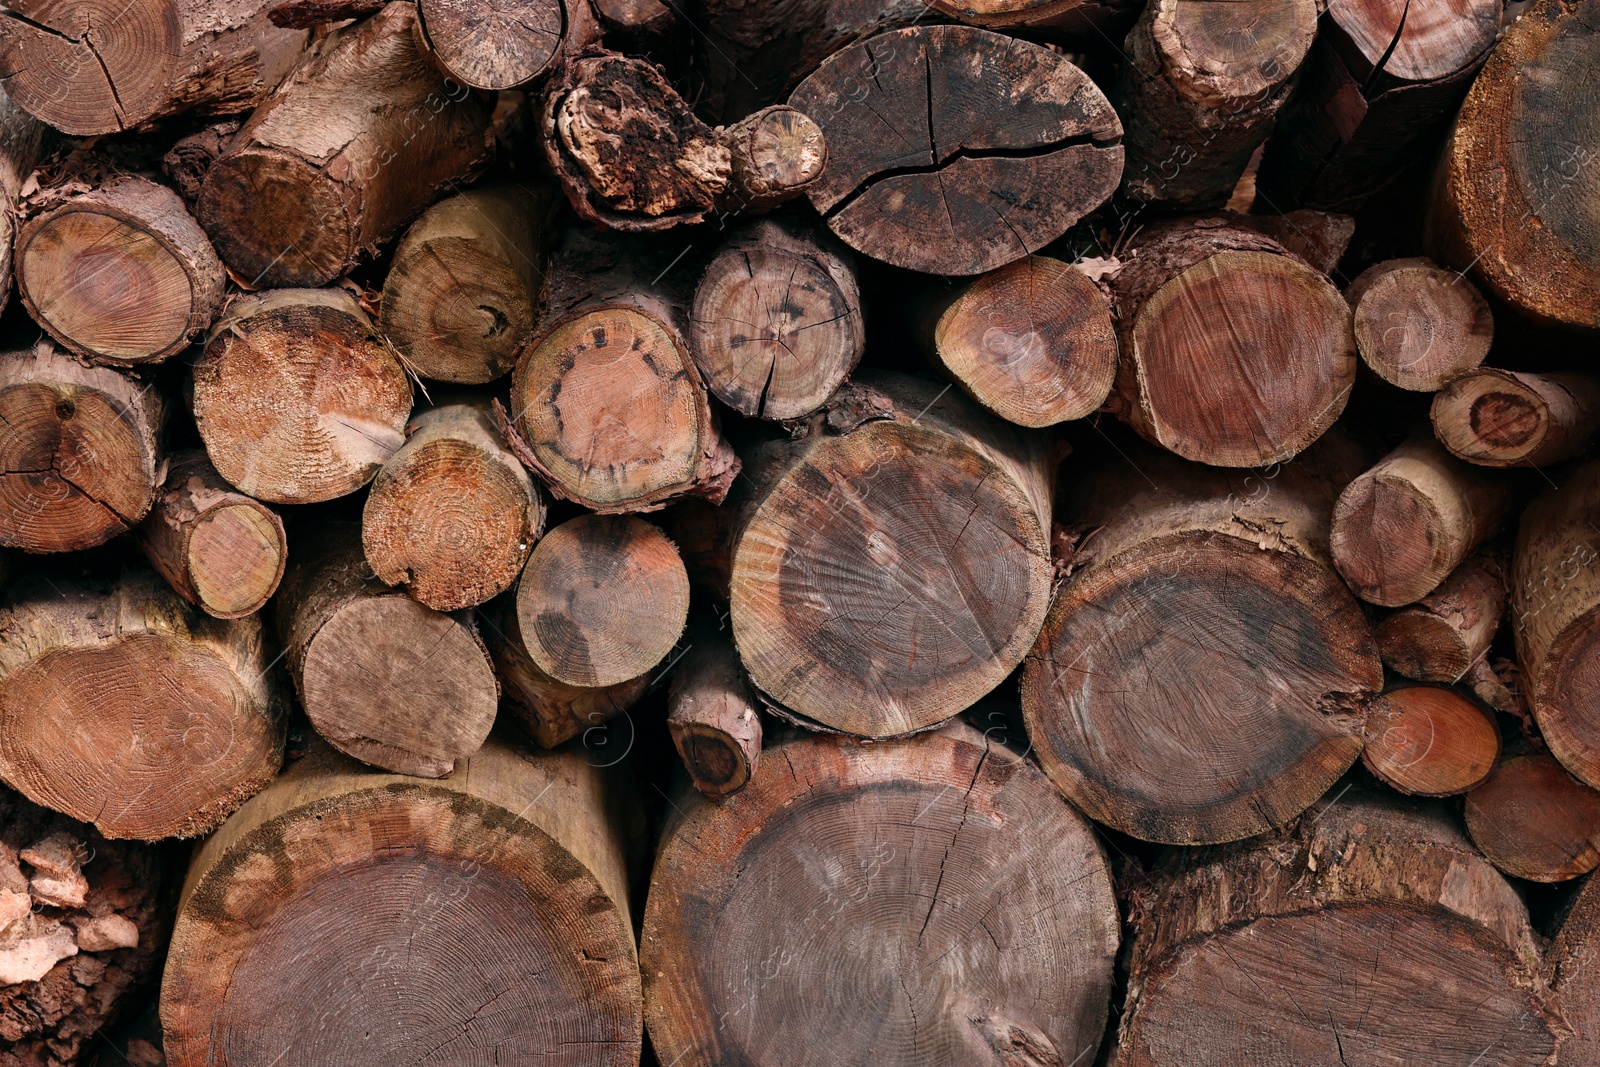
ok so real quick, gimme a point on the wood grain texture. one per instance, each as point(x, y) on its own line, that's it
point(1430, 741)
point(1417, 325)
point(1533, 820)
point(1442, 636)
point(492, 46)
point(713, 716)
point(1499, 418)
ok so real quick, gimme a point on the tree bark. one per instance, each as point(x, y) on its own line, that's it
point(776, 322)
point(1500, 418)
point(713, 716)
point(1199, 91)
point(122, 706)
point(361, 137)
point(468, 282)
point(1417, 325)
point(953, 150)
point(1430, 741)
point(1511, 200)
point(297, 397)
point(1033, 342)
point(221, 550)
point(729, 981)
point(1441, 636)
point(887, 574)
point(91, 67)
point(1400, 528)
point(1202, 676)
point(1533, 820)
point(1329, 945)
point(774, 155)
point(382, 678)
point(488, 910)
point(1234, 352)
point(22, 144)
point(80, 450)
point(122, 274)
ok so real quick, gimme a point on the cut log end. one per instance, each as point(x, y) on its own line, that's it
point(276, 219)
point(712, 716)
point(1534, 820)
point(1497, 418)
point(775, 155)
point(492, 46)
point(1430, 741)
point(1418, 325)
point(236, 556)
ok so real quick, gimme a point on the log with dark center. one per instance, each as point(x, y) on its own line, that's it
point(1430, 741)
point(1533, 820)
point(953, 150)
point(713, 716)
point(1417, 325)
point(1441, 636)
point(1500, 418)
point(942, 904)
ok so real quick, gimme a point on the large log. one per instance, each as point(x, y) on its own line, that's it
point(1501, 418)
point(953, 150)
point(79, 448)
point(297, 398)
point(1203, 676)
point(1533, 820)
point(981, 928)
point(1372, 932)
point(1418, 325)
point(484, 916)
point(122, 706)
point(1234, 352)
point(90, 67)
point(362, 136)
point(1572, 966)
point(1512, 201)
point(1441, 636)
point(713, 716)
point(888, 573)
point(382, 678)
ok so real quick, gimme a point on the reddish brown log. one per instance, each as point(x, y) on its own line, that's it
point(1441, 636)
point(1418, 325)
point(1430, 741)
point(1534, 820)
point(1499, 418)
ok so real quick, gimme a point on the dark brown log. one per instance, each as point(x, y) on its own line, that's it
point(1202, 677)
point(1234, 352)
point(1380, 84)
point(1321, 238)
point(1329, 946)
point(1088, 19)
point(297, 397)
point(1032, 342)
point(982, 927)
point(1533, 820)
point(1500, 418)
point(1400, 528)
point(493, 46)
point(1198, 92)
point(187, 161)
point(774, 155)
point(468, 282)
point(79, 449)
point(640, 24)
point(22, 142)
point(889, 573)
point(485, 915)
point(776, 321)
point(361, 136)
point(713, 716)
point(1430, 741)
point(452, 515)
point(1512, 201)
point(1572, 966)
point(1441, 636)
point(953, 150)
point(221, 550)
point(91, 67)
point(1418, 325)
point(122, 706)
point(122, 274)
point(382, 678)
point(309, 14)
point(83, 927)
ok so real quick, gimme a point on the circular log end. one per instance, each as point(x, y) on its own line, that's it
point(1491, 418)
point(490, 45)
point(719, 765)
point(1534, 820)
point(276, 220)
point(1423, 41)
point(1563, 688)
point(235, 559)
point(1418, 325)
point(1222, 54)
point(1416, 643)
point(1389, 541)
point(455, 311)
point(1430, 741)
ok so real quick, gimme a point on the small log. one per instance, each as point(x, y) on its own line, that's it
point(776, 321)
point(79, 449)
point(297, 397)
point(1501, 418)
point(1572, 966)
point(1430, 741)
point(452, 515)
point(713, 716)
point(124, 707)
point(1032, 342)
point(382, 678)
point(953, 150)
point(1533, 820)
point(123, 274)
point(488, 910)
point(1234, 352)
point(186, 162)
point(222, 551)
point(774, 155)
point(91, 67)
point(1418, 325)
point(467, 283)
point(493, 45)
point(642, 25)
point(1400, 528)
point(1326, 946)
point(362, 136)
point(1032, 987)
point(1199, 90)
point(1441, 636)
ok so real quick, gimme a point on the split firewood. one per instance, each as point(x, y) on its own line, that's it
point(1533, 820)
point(1441, 636)
point(1417, 325)
point(1501, 418)
point(1430, 741)
point(713, 715)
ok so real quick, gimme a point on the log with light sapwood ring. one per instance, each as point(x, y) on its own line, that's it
point(953, 150)
point(222, 550)
point(774, 155)
point(713, 716)
point(1418, 325)
point(980, 843)
point(1430, 741)
point(1442, 636)
point(486, 911)
point(123, 706)
point(1501, 418)
point(492, 46)
point(1533, 820)
point(122, 274)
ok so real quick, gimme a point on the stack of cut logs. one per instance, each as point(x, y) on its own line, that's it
point(1010, 533)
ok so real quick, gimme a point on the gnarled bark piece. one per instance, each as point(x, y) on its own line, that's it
point(1430, 741)
point(1501, 418)
point(713, 716)
point(953, 150)
point(774, 155)
point(1441, 636)
point(1418, 325)
point(1533, 820)
point(491, 44)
